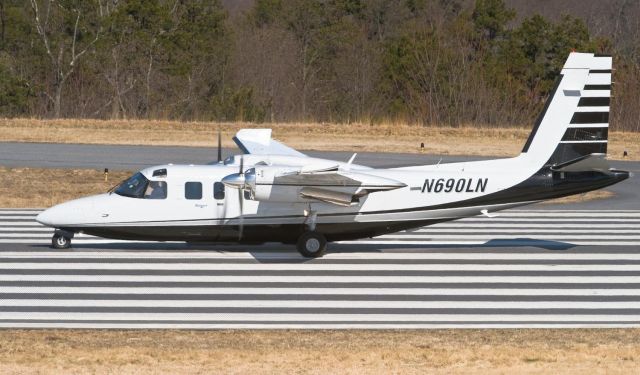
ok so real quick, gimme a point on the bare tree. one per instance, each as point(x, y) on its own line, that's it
point(49, 24)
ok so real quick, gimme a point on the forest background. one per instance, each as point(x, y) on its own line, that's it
point(483, 63)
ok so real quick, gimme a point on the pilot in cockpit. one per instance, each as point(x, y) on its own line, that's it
point(156, 190)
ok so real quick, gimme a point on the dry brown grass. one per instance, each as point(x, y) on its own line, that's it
point(306, 136)
point(41, 187)
point(579, 198)
point(591, 351)
point(36, 187)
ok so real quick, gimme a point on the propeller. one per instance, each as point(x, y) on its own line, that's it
point(237, 181)
point(241, 200)
point(219, 146)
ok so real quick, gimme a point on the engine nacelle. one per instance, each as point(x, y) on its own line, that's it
point(300, 184)
point(266, 184)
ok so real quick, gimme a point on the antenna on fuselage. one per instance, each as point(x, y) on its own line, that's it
point(219, 146)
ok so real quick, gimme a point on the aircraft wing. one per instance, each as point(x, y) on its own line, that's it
point(342, 188)
point(259, 142)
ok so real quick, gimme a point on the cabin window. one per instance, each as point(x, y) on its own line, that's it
point(193, 190)
point(160, 172)
point(156, 190)
point(218, 190)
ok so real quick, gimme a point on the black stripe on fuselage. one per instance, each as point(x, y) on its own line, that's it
point(253, 233)
point(597, 87)
point(590, 118)
point(592, 71)
point(586, 134)
point(594, 102)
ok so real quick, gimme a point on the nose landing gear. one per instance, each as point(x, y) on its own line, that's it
point(61, 239)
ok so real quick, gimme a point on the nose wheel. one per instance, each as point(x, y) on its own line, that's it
point(312, 244)
point(61, 241)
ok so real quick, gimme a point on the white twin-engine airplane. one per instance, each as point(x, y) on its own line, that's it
point(273, 193)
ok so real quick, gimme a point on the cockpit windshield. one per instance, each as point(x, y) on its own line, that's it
point(138, 186)
point(133, 187)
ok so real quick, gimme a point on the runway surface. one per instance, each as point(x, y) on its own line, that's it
point(134, 157)
point(524, 268)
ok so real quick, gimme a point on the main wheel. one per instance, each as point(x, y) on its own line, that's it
point(60, 242)
point(312, 244)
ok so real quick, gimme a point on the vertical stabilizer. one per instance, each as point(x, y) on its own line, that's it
point(575, 119)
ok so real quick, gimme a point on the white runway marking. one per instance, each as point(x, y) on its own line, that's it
point(54, 265)
point(390, 257)
point(313, 279)
point(268, 291)
point(424, 281)
point(351, 318)
point(339, 304)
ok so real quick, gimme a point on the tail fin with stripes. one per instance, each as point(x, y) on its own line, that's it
point(575, 119)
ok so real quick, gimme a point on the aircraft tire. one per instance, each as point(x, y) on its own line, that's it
point(311, 244)
point(60, 242)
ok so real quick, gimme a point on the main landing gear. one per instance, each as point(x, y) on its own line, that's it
point(312, 244)
point(61, 239)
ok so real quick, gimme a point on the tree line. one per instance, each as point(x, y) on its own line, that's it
point(428, 62)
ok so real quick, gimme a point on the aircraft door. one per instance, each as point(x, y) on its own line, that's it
point(219, 196)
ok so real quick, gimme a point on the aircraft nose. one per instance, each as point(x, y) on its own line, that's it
point(49, 217)
point(70, 213)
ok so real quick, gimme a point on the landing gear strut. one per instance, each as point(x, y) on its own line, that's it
point(312, 244)
point(61, 239)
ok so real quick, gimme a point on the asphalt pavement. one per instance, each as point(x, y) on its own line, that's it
point(523, 269)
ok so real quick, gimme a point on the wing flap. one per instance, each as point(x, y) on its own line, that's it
point(329, 196)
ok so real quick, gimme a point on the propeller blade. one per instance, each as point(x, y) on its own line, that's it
point(219, 146)
point(241, 201)
point(241, 217)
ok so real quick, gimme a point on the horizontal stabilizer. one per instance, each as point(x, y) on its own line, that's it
point(591, 162)
point(259, 142)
